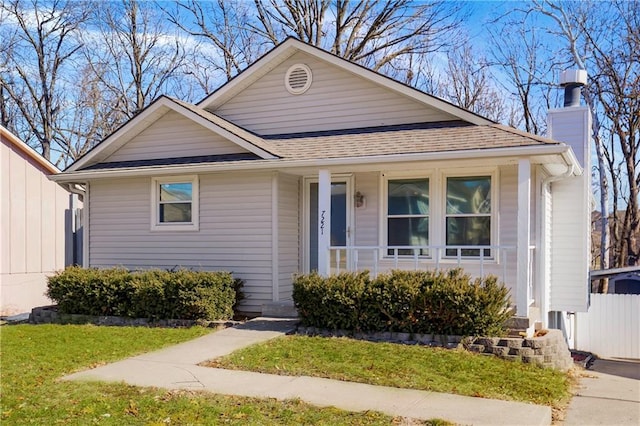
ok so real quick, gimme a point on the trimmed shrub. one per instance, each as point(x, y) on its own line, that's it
point(446, 303)
point(334, 302)
point(91, 291)
point(154, 294)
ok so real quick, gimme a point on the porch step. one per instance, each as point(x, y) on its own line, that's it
point(518, 325)
point(279, 310)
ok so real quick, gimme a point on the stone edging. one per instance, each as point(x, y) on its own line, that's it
point(50, 315)
point(550, 350)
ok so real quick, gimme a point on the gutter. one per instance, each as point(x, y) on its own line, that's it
point(561, 149)
point(74, 188)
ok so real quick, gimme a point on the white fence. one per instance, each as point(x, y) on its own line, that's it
point(611, 328)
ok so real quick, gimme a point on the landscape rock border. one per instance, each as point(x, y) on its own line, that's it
point(50, 315)
point(550, 350)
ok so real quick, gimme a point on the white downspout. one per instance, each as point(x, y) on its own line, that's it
point(82, 193)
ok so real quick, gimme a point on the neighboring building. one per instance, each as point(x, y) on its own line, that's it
point(306, 161)
point(628, 283)
point(33, 212)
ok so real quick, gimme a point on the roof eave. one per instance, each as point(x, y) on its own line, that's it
point(561, 150)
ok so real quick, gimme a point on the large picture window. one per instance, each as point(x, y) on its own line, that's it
point(175, 203)
point(468, 214)
point(408, 214)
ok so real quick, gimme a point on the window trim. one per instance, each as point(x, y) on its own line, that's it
point(156, 225)
point(385, 211)
point(492, 173)
point(437, 210)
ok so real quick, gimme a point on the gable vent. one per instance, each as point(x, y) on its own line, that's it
point(298, 79)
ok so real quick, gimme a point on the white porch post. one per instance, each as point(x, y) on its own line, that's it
point(523, 236)
point(324, 221)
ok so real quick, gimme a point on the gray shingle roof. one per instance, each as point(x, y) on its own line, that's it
point(403, 139)
point(416, 138)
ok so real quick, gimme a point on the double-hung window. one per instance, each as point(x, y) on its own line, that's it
point(468, 215)
point(174, 203)
point(407, 215)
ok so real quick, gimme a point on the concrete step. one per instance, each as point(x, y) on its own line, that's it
point(279, 310)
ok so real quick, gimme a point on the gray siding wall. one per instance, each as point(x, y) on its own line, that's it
point(288, 233)
point(174, 135)
point(336, 99)
point(234, 235)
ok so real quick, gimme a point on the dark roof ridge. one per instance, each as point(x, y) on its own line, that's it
point(371, 129)
point(174, 161)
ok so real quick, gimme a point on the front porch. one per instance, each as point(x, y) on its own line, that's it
point(478, 219)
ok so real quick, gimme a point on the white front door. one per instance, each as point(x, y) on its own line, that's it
point(341, 220)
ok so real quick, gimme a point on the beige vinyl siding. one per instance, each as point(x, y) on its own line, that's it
point(174, 135)
point(32, 218)
point(569, 246)
point(288, 233)
point(234, 234)
point(336, 99)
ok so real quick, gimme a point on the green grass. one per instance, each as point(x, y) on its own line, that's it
point(413, 367)
point(33, 358)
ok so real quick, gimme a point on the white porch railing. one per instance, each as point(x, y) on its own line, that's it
point(497, 260)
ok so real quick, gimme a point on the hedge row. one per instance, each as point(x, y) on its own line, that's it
point(446, 303)
point(153, 294)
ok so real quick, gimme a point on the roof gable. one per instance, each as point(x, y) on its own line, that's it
point(292, 51)
point(170, 128)
point(174, 135)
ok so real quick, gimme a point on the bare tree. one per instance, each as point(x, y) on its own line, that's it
point(605, 39)
point(617, 87)
point(223, 27)
point(8, 110)
point(385, 36)
point(91, 117)
point(43, 43)
point(468, 84)
point(139, 58)
point(516, 51)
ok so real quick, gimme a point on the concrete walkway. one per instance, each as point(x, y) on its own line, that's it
point(176, 368)
point(608, 395)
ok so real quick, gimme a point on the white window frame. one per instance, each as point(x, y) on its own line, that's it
point(194, 224)
point(442, 199)
point(386, 177)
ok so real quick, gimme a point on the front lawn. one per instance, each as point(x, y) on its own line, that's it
point(402, 366)
point(34, 357)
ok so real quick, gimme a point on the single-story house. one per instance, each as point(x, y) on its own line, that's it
point(306, 161)
point(35, 217)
